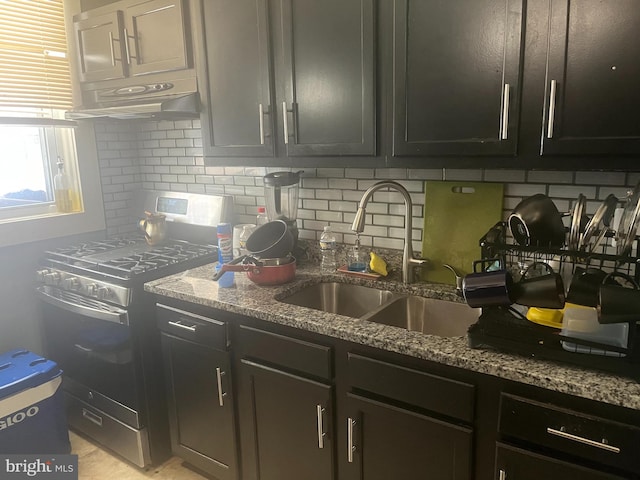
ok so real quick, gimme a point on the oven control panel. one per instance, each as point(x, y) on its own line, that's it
point(89, 287)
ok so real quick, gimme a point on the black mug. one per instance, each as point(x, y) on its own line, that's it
point(618, 304)
point(487, 288)
point(545, 291)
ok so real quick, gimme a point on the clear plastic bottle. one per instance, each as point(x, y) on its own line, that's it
point(62, 190)
point(262, 218)
point(328, 263)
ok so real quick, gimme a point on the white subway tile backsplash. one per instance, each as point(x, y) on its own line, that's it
point(546, 176)
point(168, 155)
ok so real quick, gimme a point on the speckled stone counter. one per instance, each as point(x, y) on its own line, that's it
point(261, 302)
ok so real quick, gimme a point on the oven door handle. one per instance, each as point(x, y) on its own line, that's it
point(112, 315)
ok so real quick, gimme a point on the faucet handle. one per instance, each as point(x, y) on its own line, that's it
point(459, 277)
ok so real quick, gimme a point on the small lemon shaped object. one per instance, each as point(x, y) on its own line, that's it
point(377, 264)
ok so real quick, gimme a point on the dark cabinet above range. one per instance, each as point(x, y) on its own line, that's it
point(131, 38)
point(287, 78)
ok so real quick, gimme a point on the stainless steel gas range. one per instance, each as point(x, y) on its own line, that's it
point(99, 325)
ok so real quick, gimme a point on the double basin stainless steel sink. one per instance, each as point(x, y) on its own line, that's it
point(430, 316)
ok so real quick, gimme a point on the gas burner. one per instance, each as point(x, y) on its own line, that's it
point(95, 247)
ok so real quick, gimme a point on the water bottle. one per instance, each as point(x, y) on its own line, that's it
point(328, 250)
point(262, 218)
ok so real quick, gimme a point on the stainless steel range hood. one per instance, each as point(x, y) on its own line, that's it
point(158, 108)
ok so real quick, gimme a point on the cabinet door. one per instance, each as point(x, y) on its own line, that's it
point(328, 105)
point(515, 463)
point(238, 115)
point(592, 95)
point(385, 442)
point(200, 402)
point(287, 423)
point(100, 46)
point(456, 77)
point(155, 37)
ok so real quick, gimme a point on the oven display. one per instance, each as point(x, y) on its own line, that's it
point(176, 206)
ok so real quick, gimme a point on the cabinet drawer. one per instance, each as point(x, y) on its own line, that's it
point(575, 433)
point(193, 327)
point(290, 353)
point(431, 392)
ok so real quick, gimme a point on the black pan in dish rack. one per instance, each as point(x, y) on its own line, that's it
point(628, 226)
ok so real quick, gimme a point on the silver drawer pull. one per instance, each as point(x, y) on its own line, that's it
point(221, 394)
point(592, 443)
point(92, 417)
point(350, 446)
point(505, 112)
point(261, 115)
point(552, 108)
point(179, 324)
point(113, 56)
point(321, 434)
point(285, 127)
point(502, 475)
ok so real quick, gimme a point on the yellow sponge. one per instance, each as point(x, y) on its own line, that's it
point(377, 264)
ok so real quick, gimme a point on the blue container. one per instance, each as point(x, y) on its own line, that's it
point(32, 414)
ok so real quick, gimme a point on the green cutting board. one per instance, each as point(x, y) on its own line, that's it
point(456, 216)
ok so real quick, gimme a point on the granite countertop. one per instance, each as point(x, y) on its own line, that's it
point(249, 299)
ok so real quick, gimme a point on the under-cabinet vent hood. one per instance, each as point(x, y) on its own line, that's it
point(159, 108)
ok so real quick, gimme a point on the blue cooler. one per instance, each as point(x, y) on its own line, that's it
point(32, 414)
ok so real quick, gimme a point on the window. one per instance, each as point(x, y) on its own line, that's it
point(40, 174)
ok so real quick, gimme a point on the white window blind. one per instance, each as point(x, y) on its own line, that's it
point(34, 68)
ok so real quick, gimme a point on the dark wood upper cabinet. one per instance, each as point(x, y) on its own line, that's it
point(288, 78)
point(131, 38)
point(156, 39)
point(238, 118)
point(98, 43)
point(456, 77)
point(592, 95)
point(327, 91)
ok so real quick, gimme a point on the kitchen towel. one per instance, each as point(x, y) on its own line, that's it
point(456, 216)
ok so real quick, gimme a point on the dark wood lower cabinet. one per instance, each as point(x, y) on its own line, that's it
point(517, 464)
point(311, 407)
point(201, 416)
point(287, 418)
point(387, 442)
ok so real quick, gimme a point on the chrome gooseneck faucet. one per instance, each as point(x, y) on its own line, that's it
point(409, 262)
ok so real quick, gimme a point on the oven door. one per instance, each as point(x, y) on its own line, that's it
point(91, 341)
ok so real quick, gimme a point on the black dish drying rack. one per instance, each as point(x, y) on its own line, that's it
point(507, 329)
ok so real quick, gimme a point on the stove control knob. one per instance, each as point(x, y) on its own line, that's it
point(52, 278)
point(40, 274)
point(103, 293)
point(71, 283)
point(92, 290)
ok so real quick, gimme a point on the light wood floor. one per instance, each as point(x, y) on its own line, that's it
point(95, 463)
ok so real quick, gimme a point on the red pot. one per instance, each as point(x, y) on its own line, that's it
point(269, 271)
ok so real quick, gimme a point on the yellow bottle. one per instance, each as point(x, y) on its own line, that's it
point(61, 190)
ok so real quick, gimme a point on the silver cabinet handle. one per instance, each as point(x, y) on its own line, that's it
point(350, 446)
point(502, 475)
point(261, 113)
point(113, 55)
point(505, 111)
point(126, 46)
point(221, 394)
point(592, 443)
point(321, 434)
point(92, 417)
point(286, 125)
point(552, 108)
point(191, 328)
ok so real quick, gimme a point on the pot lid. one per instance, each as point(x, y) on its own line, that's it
point(282, 179)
